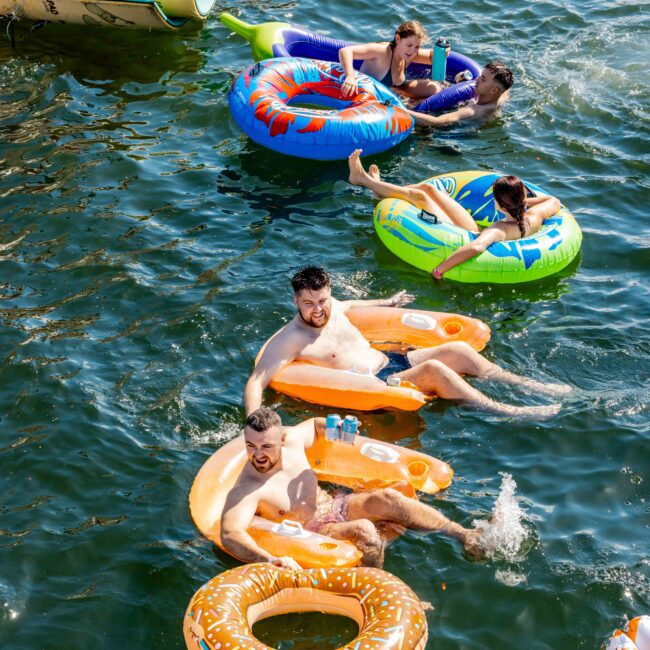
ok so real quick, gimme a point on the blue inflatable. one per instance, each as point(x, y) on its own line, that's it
point(284, 40)
point(263, 103)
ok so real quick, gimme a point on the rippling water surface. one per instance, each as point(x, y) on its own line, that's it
point(145, 250)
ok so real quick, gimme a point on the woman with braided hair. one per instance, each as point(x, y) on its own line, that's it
point(524, 214)
point(524, 217)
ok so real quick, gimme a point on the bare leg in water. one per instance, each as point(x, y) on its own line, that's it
point(423, 196)
point(463, 359)
point(438, 371)
point(365, 509)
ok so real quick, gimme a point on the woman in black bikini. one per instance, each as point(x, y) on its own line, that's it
point(387, 62)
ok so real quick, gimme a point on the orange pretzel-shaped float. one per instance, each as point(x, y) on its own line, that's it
point(222, 612)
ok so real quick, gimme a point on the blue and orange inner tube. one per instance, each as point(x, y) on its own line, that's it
point(294, 106)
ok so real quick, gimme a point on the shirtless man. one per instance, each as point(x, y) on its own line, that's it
point(277, 483)
point(492, 90)
point(322, 334)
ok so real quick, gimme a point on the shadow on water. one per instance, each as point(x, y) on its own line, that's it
point(476, 298)
point(114, 57)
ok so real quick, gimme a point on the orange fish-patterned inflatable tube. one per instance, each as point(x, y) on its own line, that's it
point(366, 464)
point(264, 101)
point(222, 612)
point(387, 328)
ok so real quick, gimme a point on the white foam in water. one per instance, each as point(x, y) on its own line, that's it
point(503, 534)
point(225, 432)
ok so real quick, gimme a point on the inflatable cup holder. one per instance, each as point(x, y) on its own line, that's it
point(419, 321)
point(328, 546)
point(379, 452)
point(418, 468)
point(290, 528)
point(453, 328)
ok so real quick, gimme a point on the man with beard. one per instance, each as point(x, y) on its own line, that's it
point(277, 483)
point(322, 334)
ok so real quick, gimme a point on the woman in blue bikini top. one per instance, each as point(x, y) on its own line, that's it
point(387, 62)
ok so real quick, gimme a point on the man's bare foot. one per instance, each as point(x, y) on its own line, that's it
point(557, 389)
point(357, 172)
point(524, 411)
point(499, 374)
point(473, 544)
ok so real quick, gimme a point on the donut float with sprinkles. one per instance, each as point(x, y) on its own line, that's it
point(223, 611)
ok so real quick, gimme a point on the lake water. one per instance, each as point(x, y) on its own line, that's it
point(146, 247)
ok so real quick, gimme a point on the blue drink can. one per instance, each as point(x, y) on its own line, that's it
point(332, 427)
point(349, 428)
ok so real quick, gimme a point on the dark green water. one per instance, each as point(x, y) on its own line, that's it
point(145, 252)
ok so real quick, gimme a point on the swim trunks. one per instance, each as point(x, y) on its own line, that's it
point(396, 363)
point(333, 512)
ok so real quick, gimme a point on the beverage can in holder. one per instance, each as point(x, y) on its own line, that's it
point(332, 427)
point(349, 428)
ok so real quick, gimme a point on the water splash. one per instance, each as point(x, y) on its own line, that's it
point(222, 434)
point(503, 533)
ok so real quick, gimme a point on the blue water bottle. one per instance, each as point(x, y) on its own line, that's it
point(439, 63)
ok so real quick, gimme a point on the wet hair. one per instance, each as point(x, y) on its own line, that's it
point(410, 28)
point(501, 73)
point(263, 419)
point(510, 193)
point(311, 278)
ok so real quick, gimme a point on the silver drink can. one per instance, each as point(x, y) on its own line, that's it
point(393, 381)
point(332, 427)
point(349, 428)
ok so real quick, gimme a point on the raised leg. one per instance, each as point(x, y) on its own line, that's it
point(423, 195)
point(373, 172)
point(454, 210)
point(382, 190)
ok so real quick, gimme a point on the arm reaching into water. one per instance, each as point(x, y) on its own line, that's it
point(424, 119)
point(279, 352)
point(471, 111)
point(466, 252)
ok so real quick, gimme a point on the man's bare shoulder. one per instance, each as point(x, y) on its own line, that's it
point(247, 483)
point(492, 107)
point(291, 337)
point(246, 493)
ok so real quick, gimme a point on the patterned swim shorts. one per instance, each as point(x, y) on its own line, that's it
point(335, 513)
